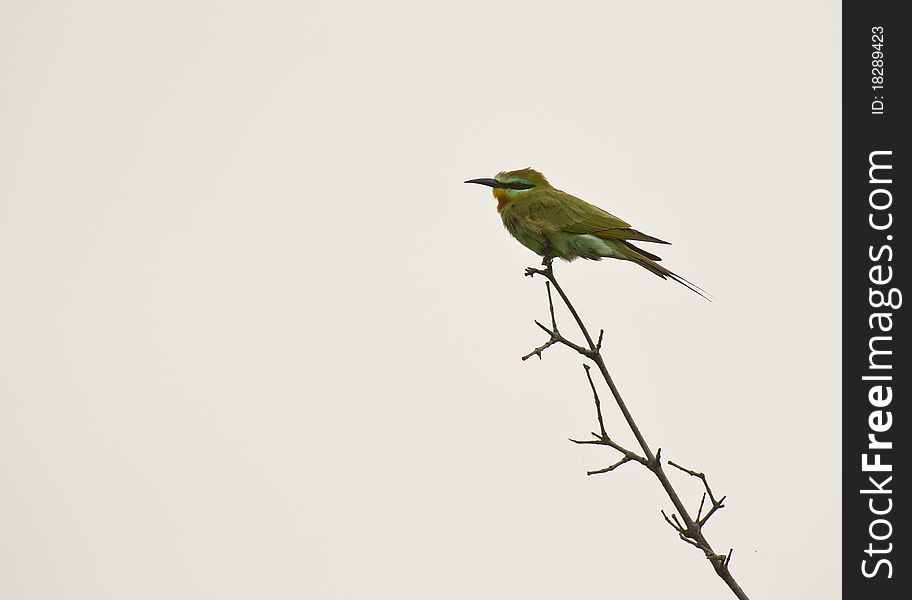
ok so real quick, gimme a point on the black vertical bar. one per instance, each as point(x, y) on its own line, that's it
point(875, 269)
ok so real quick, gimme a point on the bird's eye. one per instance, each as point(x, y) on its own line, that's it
point(518, 185)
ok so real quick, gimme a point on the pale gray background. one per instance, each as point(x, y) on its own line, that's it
point(258, 341)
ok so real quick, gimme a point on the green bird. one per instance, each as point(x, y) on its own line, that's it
point(554, 224)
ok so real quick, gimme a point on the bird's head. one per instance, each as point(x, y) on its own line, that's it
point(509, 186)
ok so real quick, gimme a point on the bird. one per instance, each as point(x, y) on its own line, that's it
point(554, 224)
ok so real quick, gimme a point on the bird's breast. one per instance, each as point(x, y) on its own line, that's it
point(519, 222)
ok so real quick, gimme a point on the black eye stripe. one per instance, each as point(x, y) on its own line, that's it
point(518, 185)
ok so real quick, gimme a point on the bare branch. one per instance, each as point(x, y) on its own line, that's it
point(688, 529)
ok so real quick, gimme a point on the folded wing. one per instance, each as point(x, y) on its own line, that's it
point(570, 214)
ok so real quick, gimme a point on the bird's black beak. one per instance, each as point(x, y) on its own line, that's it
point(514, 185)
point(488, 182)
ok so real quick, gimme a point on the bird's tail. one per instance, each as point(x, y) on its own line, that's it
point(649, 262)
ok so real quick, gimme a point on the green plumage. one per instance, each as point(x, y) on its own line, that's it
point(554, 224)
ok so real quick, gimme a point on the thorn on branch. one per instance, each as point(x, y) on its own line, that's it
point(685, 533)
point(714, 504)
point(674, 526)
point(552, 332)
point(655, 464)
point(538, 350)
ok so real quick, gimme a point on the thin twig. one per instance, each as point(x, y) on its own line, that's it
point(553, 331)
point(625, 459)
point(607, 441)
point(598, 404)
point(715, 504)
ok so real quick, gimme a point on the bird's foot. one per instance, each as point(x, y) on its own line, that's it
point(546, 263)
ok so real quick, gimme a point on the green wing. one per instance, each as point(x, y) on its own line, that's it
point(570, 214)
